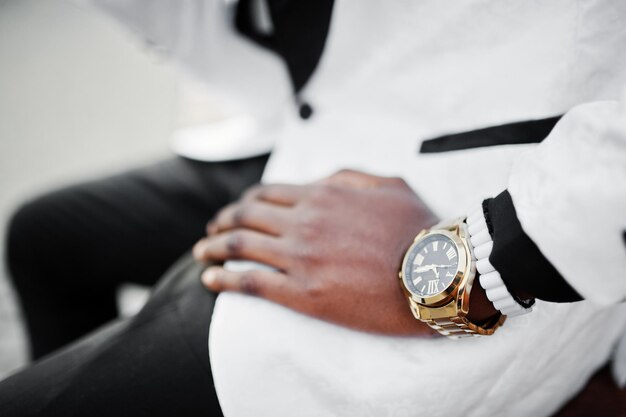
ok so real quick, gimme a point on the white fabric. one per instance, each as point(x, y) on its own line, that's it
point(395, 73)
point(483, 250)
point(236, 137)
point(489, 278)
point(484, 266)
point(198, 36)
point(578, 177)
point(481, 238)
point(619, 366)
point(476, 221)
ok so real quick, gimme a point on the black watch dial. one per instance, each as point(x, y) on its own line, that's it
point(431, 265)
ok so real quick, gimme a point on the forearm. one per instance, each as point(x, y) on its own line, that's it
point(525, 270)
point(569, 197)
point(558, 229)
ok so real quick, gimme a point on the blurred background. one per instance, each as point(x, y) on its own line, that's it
point(79, 98)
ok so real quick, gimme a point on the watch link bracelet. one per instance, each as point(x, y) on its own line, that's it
point(437, 275)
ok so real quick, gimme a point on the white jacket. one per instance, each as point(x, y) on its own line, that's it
point(394, 74)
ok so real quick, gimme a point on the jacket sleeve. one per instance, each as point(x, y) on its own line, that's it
point(559, 230)
point(167, 25)
point(199, 37)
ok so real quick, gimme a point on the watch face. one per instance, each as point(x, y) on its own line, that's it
point(431, 265)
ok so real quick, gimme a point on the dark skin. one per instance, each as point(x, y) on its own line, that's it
point(337, 245)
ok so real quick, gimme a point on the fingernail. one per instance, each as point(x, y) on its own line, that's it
point(209, 276)
point(197, 250)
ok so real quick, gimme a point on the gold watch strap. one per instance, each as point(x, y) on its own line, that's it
point(453, 327)
point(457, 327)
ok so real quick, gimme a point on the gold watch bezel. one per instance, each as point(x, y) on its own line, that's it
point(447, 311)
point(457, 289)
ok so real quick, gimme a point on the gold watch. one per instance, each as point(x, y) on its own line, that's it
point(437, 274)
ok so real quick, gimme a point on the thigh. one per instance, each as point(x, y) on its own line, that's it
point(156, 363)
point(128, 227)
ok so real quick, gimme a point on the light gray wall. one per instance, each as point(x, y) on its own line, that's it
point(79, 97)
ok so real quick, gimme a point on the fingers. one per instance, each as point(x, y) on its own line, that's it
point(271, 285)
point(256, 215)
point(243, 244)
point(281, 194)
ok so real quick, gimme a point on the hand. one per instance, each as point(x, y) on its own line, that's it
point(337, 245)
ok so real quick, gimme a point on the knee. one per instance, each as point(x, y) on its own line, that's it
point(24, 239)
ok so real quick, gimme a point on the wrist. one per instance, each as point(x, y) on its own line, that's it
point(437, 277)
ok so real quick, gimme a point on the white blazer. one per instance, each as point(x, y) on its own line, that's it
point(394, 74)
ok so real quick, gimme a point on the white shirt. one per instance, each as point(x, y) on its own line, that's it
point(392, 75)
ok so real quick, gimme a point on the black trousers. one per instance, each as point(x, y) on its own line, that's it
point(153, 364)
point(68, 252)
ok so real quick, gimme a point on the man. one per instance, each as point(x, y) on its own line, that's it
point(391, 78)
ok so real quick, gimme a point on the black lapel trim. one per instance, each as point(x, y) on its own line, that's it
point(530, 131)
point(299, 36)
